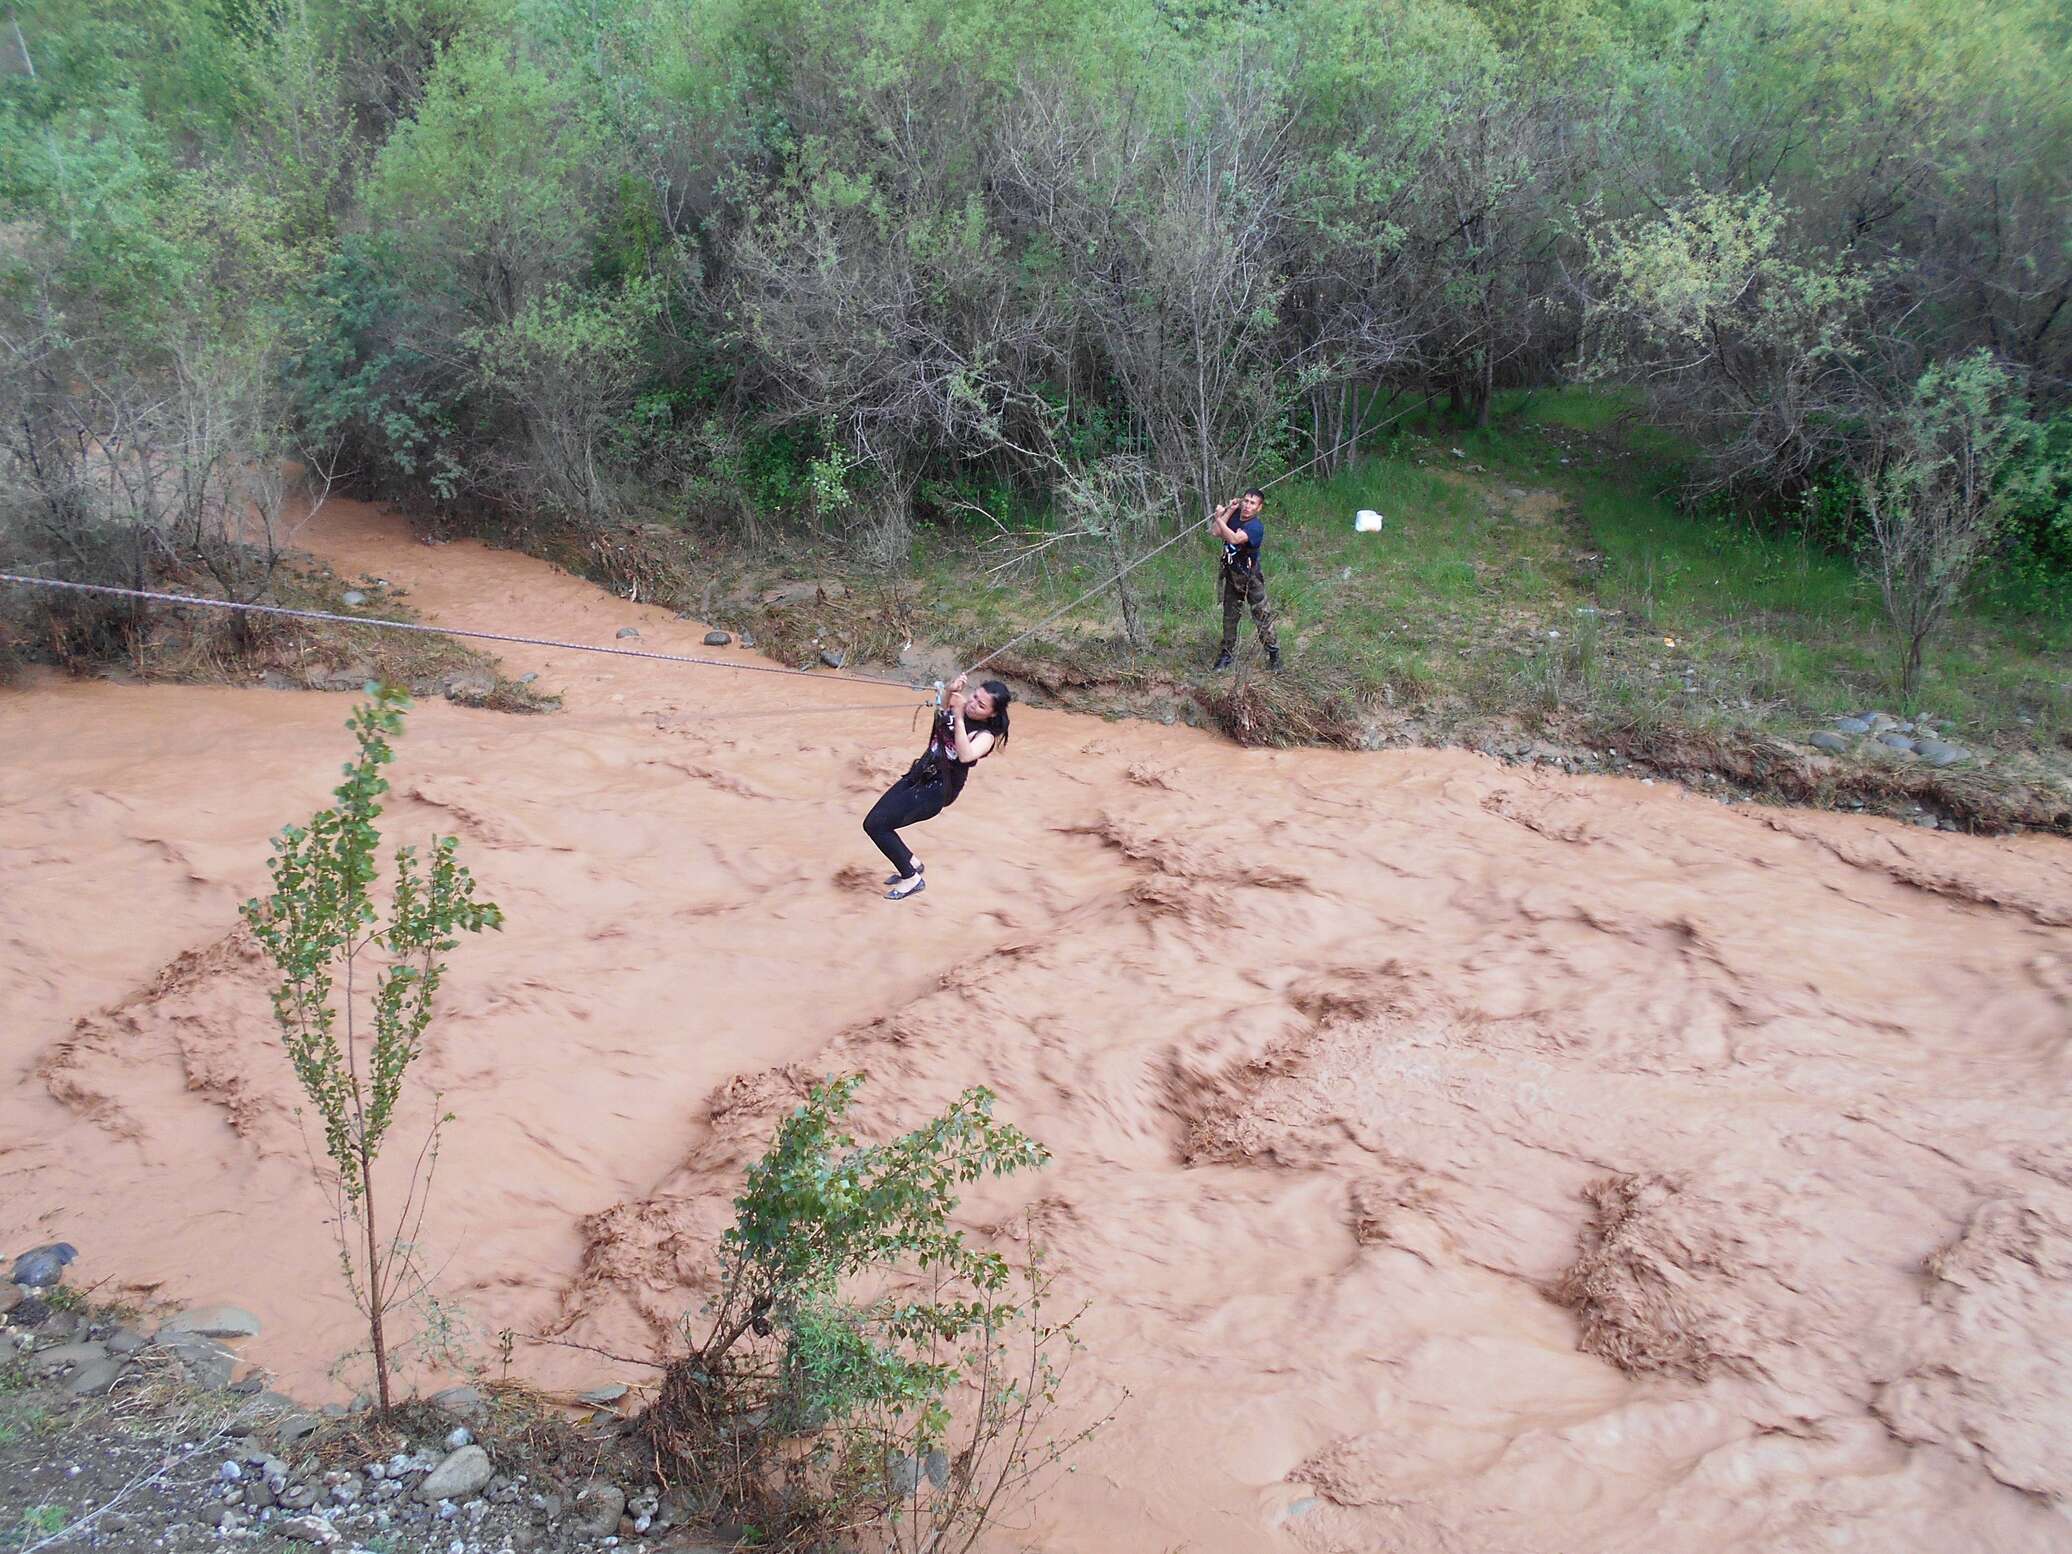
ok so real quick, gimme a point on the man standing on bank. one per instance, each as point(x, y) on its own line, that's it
point(1243, 533)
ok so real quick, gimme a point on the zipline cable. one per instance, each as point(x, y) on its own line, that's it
point(676, 719)
point(441, 631)
point(1100, 588)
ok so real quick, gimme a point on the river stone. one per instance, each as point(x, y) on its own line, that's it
point(125, 1340)
point(1833, 744)
point(459, 1476)
point(48, 1362)
point(353, 598)
point(598, 1509)
point(461, 1402)
point(30, 1311)
point(1936, 753)
point(1879, 722)
point(211, 1322)
point(676, 1507)
point(469, 687)
point(598, 1397)
point(1898, 742)
point(1852, 726)
point(284, 1419)
point(629, 633)
point(207, 1363)
point(11, 1295)
point(717, 639)
point(95, 1377)
point(831, 658)
point(44, 1266)
point(307, 1529)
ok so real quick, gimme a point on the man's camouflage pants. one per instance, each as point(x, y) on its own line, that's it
point(1246, 586)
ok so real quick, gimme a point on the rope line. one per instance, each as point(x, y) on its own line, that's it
point(441, 631)
point(1100, 588)
point(677, 719)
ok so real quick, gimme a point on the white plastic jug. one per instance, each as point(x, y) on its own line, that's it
point(1367, 521)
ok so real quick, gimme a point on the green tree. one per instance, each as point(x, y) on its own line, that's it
point(568, 368)
point(1934, 483)
point(1758, 350)
point(487, 191)
point(350, 1047)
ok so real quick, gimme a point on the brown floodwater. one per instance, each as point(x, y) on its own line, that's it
point(1451, 1157)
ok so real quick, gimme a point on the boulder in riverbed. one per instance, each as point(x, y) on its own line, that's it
point(44, 1266)
point(462, 1474)
point(212, 1322)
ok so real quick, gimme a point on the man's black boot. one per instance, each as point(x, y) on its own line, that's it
point(1222, 661)
point(1273, 658)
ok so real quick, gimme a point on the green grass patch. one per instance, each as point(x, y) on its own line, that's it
point(1537, 568)
point(38, 1522)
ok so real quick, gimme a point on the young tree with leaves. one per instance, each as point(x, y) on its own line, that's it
point(1934, 483)
point(350, 1046)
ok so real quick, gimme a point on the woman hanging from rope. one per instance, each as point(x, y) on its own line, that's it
point(963, 734)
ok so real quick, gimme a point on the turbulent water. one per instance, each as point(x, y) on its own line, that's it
point(1454, 1158)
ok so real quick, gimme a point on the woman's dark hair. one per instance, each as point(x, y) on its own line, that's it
point(996, 725)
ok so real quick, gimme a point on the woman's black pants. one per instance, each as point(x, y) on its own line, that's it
point(907, 802)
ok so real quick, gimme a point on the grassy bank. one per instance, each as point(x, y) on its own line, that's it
point(1536, 589)
point(1538, 569)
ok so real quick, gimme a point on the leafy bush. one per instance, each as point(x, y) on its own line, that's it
point(2038, 536)
point(864, 1366)
point(1938, 484)
point(365, 383)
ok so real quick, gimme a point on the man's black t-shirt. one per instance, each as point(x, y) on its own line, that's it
point(1245, 556)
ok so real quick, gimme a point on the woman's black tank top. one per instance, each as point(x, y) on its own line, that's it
point(939, 761)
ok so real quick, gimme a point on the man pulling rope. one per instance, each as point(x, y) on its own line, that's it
point(1243, 533)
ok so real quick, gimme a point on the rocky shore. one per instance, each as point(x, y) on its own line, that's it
point(120, 1431)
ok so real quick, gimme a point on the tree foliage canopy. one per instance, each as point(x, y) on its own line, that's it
point(917, 239)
